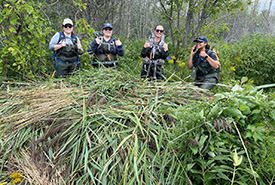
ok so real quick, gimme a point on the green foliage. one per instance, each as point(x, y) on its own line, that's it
point(132, 60)
point(209, 137)
point(85, 34)
point(105, 126)
point(253, 57)
point(24, 33)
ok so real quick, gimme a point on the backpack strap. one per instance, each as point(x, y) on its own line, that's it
point(218, 70)
point(74, 39)
point(61, 36)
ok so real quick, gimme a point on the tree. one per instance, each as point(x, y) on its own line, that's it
point(23, 38)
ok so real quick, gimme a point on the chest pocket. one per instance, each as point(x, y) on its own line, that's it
point(204, 67)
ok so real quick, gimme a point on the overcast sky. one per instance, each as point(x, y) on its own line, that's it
point(265, 4)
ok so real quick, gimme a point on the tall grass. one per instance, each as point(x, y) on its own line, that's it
point(103, 126)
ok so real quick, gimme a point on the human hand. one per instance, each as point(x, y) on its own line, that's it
point(203, 54)
point(193, 50)
point(98, 41)
point(63, 43)
point(118, 42)
point(165, 47)
point(147, 44)
point(80, 50)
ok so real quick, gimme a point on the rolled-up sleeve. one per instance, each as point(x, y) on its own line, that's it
point(93, 47)
point(54, 41)
point(120, 50)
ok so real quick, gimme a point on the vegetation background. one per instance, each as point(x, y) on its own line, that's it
point(110, 127)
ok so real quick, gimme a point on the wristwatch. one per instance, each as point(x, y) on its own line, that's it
point(206, 57)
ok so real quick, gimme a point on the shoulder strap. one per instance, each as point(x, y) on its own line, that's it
point(61, 36)
point(74, 39)
point(218, 59)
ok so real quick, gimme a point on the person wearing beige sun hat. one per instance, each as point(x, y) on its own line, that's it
point(67, 48)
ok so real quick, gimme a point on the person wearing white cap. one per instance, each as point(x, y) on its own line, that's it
point(205, 64)
point(67, 48)
point(106, 48)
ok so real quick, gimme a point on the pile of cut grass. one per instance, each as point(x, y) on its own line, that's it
point(98, 126)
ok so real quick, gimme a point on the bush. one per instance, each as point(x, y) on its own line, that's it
point(253, 57)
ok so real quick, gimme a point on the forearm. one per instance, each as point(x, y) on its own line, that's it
point(190, 62)
point(120, 50)
point(144, 52)
point(57, 47)
point(212, 62)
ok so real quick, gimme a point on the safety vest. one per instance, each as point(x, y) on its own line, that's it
point(150, 63)
point(202, 67)
point(68, 53)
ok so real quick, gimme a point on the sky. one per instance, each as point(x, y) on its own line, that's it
point(265, 3)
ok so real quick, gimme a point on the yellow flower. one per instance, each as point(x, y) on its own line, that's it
point(17, 177)
point(178, 61)
point(171, 61)
point(173, 57)
point(232, 68)
point(238, 59)
point(3, 183)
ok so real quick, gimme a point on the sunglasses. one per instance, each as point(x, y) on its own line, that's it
point(68, 25)
point(108, 29)
point(161, 31)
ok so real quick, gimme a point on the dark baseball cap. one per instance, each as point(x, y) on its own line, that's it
point(201, 39)
point(107, 25)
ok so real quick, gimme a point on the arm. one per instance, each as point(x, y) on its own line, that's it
point(54, 45)
point(211, 59)
point(190, 60)
point(120, 50)
point(93, 47)
point(119, 47)
point(145, 52)
point(164, 51)
point(80, 49)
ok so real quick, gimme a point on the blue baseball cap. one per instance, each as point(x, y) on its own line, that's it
point(107, 25)
point(201, 39)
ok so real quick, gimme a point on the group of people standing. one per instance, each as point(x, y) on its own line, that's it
point(67, 49)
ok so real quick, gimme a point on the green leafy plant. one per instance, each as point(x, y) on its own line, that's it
point(24, 33)
point(253, 57)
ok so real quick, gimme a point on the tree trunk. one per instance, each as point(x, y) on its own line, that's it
point(188, 22)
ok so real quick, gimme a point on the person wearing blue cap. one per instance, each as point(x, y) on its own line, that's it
point(205, 64)
point(106, 48)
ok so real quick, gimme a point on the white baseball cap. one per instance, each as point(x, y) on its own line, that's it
point(67, 21)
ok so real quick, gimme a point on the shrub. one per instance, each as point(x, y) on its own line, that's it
point(253, 57)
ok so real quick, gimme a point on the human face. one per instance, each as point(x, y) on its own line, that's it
point(108, 32)
point(68, 28)
point(158, 31)
point(200, 45)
